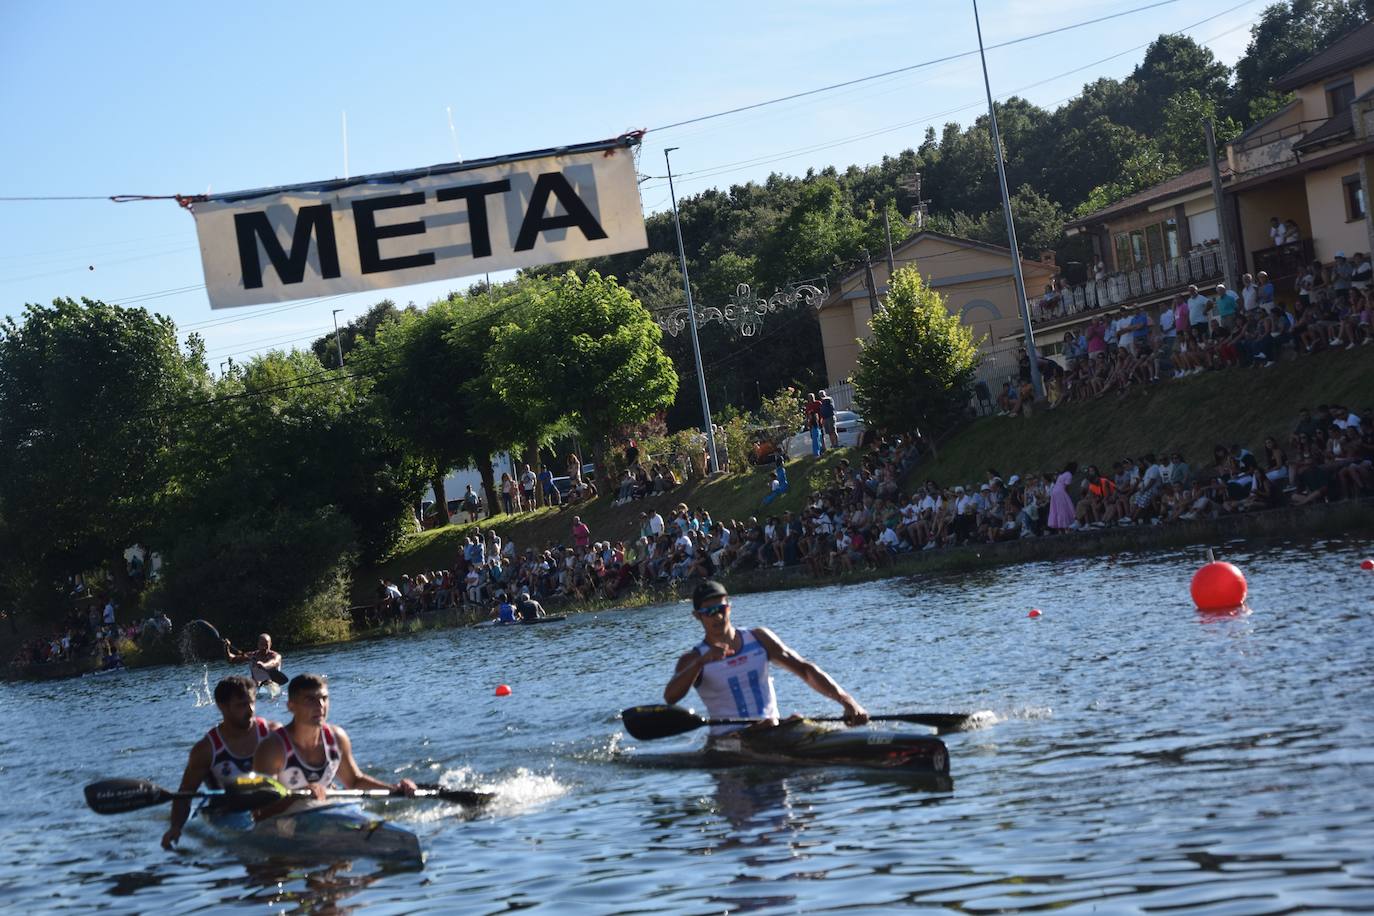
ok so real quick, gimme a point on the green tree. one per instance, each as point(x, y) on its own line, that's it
point(326, 348)
point(585, 350)
point(91, 399)
point(1173, 64)
point(914, 372)
point(1287, 34)
point(1181, 138)
point(1148, 167)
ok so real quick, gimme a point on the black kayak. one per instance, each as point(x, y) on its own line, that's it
point(511, 623)
point(803, 743)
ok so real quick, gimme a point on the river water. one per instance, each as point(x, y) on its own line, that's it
point(1147, 758)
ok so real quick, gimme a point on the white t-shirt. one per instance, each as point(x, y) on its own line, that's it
point(686, 544)
point(1249, 296)
point(1277, 234)
point(932, 503)
point(1197, 309)
point(1350, 420)
point(1166, 323)
point(655, 524)
point(1153, 474)
point(888, 538)
point(965, 505)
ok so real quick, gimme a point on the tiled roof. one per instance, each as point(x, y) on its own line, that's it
point(1191, 180)
point(1350, 50)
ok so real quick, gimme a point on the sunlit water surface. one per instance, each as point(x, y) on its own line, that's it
point(1147, 759)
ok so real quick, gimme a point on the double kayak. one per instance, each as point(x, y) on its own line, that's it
point(555, 618)
point(312, 831)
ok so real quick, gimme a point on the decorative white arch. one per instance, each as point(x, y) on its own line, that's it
point(968, 314)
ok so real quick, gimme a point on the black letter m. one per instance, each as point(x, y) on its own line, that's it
point(254, 227)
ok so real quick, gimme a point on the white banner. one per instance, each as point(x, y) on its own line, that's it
point(378, 231)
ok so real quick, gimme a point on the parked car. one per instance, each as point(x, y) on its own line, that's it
point(430, 517)
point(564, 483)
point(849, 428)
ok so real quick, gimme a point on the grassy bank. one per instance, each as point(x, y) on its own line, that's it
point(1191, 415)
point(1234, 406)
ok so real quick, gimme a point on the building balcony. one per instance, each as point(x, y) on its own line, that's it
point(1156, 281)
point(1268, 151)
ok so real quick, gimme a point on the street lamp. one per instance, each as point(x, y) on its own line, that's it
point(1021, 302)
point(691, 320)
point(337, 339)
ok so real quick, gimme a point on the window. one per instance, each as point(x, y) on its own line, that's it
point(1171, 249)
point(1339, 97)
point(1354, 197)
point(1154, 238)
point(1138, 247)
point(1123, 251)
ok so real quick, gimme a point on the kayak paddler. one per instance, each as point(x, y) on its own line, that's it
point(505, 611)
point(730, 667)
point(225, 752)
point(308, 753)
point(262, 661)
point(528, 608)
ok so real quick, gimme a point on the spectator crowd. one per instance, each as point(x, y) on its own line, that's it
point(1332, 308)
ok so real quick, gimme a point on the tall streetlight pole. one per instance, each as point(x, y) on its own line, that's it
point(1021, 302)
point(337, 339)
point(692, 320)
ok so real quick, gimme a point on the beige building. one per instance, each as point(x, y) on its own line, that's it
point(974, 277)
point(1308, 162)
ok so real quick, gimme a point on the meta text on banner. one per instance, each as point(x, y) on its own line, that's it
point(381, 231)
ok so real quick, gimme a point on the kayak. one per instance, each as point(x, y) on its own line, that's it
point(512, 623)
point(803, 743)
point(313, 831)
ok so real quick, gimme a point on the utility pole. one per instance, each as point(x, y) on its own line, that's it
point(887, 234)
point(1011, 228)
point(1223, 230)
point(337, 339)
point(869, 282)
point(692, 322)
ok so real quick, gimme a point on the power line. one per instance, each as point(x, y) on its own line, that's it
point(927, 63)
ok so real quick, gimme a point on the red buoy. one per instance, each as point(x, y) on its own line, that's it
point(502, 690)
point(1367, 565)
point(1034, 612)
point(1218, 587)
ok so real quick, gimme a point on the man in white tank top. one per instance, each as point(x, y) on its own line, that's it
point(730, 667)
point(308, 753)
point(225, 751)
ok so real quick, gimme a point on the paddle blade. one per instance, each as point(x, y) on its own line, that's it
point(465, 797)
point(246, 793)
point(117, 796)
point(278, 677)
point(943, 721)
point(649, 722)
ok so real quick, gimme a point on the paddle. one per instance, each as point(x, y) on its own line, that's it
point(650, 722)
point(274, 673)
point(118, 796)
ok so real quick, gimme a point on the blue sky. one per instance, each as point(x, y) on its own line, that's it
point(162, 98)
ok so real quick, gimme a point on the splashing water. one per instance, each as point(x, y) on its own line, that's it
point(201, 691)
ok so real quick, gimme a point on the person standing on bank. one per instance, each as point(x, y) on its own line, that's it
point(730, 668)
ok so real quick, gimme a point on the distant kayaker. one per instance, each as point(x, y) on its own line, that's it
point(307, 753)
point(262, 661)
point(505, 611)
point(528, 608)
point(730, 667)
point(225, 752)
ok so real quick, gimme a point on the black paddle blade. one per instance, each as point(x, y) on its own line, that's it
point(278, 677)
point(117, 796)
point(247, 793)
point(649, 722)
point(468, 798)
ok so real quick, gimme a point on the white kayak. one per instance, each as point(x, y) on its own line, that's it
point(313, 831)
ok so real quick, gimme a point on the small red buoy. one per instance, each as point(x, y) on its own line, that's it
point(1218, 587)
point(1367, 565)
point(1034, 612)
point(502, 690)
